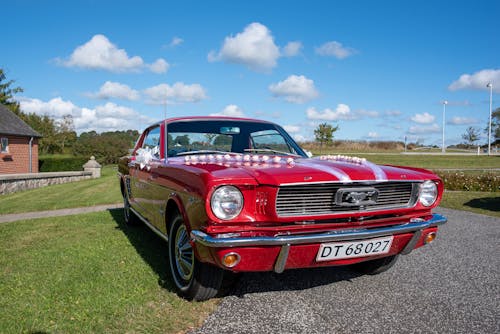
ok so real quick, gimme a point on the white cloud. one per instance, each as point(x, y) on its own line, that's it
point(462, 121)
point(295, 89)
point(366, 113)
point(292, 128)
point(335, 49)
point(100, 54)
point(373, 135)
point(416, 129)
point(159, 66)
point(292, 49)
point(424, 118)
point(230, 110)
point(478, 81)
point(115, 90)
point(178, 93)
point(342, 112)
point(254, 48)
point(107, 117)
point(56, 107)
point(175, 42)
point(394, 113)
point(299, 138)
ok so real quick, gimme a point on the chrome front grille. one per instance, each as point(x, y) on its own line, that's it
point(319, 199)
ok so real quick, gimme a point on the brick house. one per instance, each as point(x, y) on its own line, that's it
point(18, 144)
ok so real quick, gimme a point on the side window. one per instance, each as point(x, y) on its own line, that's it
point(152, 141)
point(4, 145)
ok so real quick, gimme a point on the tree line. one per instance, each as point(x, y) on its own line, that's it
point(60, 137)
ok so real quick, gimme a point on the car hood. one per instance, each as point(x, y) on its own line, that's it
point(306, 170)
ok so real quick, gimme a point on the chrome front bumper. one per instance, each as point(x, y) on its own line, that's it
point(415, 226)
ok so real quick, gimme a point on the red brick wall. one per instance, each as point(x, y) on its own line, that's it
point(17, 159)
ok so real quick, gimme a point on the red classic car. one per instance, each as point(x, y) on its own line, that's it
point(231, 194)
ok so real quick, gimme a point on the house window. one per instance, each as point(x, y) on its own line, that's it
point(4, 145)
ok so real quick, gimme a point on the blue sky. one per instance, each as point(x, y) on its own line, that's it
point(378, 69)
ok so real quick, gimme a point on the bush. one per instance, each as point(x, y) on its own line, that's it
point(470, 181)
point(107, 147)
point(61, 164)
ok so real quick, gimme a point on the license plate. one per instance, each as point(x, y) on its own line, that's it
point(350, 249)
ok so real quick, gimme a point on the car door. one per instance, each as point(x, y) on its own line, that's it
point(146, 156)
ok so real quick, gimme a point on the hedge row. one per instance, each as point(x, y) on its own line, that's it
point(61, 164)
point(470, 181)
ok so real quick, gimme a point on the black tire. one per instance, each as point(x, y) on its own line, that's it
point(375, 267)
point(129, 216)
point(193, 279)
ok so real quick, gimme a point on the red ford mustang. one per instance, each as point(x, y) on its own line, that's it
point(231, 194)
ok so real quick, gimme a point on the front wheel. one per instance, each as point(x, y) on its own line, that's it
point(194, 280)
point(374, 267)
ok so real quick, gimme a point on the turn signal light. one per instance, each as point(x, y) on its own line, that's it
point(430, 237)
point(231, 259)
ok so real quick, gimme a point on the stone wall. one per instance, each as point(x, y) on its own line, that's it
point(17, 182)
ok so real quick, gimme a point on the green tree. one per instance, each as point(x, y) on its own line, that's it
point(107, 147)
point(324, 134)
point(7, 93)
point(471, 135)
point(65, 132)
point(495, 125)
point(210, 137)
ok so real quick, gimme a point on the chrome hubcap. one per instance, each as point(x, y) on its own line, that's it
point(184, 259)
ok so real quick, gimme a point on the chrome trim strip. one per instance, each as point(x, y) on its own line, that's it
point(279, 266)
point(411, 244)
point(151, 227)
point(341, 235)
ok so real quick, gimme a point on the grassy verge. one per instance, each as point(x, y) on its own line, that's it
point(104, 190)
point(487, 203)
point(88, 274)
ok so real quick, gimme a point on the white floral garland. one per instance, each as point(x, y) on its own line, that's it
point(343, 158)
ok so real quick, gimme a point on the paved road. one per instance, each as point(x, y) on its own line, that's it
point(450, 286)
point(56, 213)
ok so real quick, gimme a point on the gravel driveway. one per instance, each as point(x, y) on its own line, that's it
point(450, 286)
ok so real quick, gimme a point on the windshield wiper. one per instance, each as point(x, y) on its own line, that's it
point(202, 152)
point(268, 150)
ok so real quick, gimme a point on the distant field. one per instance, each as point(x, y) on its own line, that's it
point(433, 161)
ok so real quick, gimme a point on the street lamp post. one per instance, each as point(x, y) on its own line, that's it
point(490, 86)
point(445, 102)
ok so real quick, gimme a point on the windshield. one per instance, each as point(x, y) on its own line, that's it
point(221, 136)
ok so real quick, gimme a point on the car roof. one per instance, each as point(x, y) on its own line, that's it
point(213, 118)
point(206, 118)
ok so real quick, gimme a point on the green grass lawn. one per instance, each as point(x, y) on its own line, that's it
point(104, 190)
point(486, 203)
point(89, 274)
point(434, 161)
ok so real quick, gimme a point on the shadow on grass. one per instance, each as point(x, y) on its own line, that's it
point(149, 246)
point(486, 203)
point(154, 251)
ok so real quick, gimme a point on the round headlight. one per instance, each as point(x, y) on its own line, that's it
point(226, 202)
point(428, 193)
